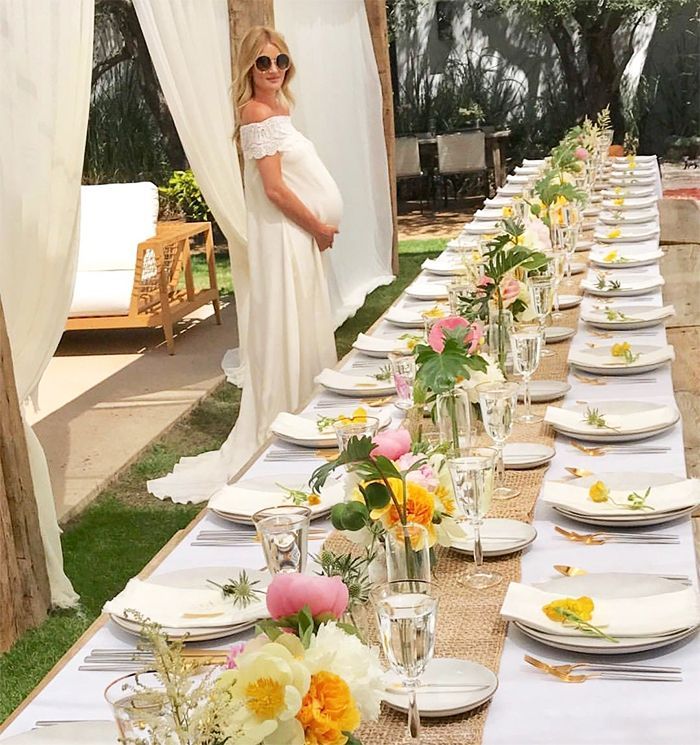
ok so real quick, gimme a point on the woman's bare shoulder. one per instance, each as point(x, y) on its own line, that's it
point(255, 112)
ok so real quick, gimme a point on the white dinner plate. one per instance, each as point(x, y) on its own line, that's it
point(489, 214)
point(519, 456)
point(631, 179)
point(498, 201)
point(327, 438)
point(483, 228)
point(434, 703)
point(542, 391)
point(578, 267)
point(376, 388)
point(627, 192)
point(499, 537)
point(631, 260)
point(408, 318)
point(196, 578)
point(447, 267)
point(569, 301)
point(69, 733)
point(423, 290)
point(510, 190)
point(629, 203)
point(584, 245)
point(378, 346)
point(629, 217)
point(627, 233)
point(635, 368)
point(598, 319)
point(631, 285)
point(619, 407)
point(608, 585)
point(636, 521)
point(555, 334)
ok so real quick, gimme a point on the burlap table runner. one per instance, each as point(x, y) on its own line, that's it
point(469, 625)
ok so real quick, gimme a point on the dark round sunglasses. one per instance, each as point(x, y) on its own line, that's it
point(264, 63)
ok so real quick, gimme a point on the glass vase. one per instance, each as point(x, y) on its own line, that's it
point(407, 553)
point(500, 329)
point(452, 415)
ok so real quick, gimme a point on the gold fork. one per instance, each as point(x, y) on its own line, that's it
point(603, 537)
point(578, 473)
point(590, 539)
point(601, 334)
point(612, 672)
point(594, 452)
point(375, 402)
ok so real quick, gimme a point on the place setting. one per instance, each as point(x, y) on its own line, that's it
point(620, 284)
point(623, 499)
point(624, 259)
point(374, 345)
point(422, 289)
point(626, 317)
point(626, 233)
point(620, 358)
point(345, 384)
point(407, 317)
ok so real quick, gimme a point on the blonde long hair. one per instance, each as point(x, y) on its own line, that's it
point(249, 50)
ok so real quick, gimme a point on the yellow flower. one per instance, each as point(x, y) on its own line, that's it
point(619, 201)
point(618, 190)
point(581, 607)
point(328, 710)
point(561, 201)
point(615, 233)
point(610, 257)
point(314, 499)
point(359, 416)
point(632, 164)
point(621, 349)
point(599, 492)
point(435, 313)
point(507, 212)
point(420, 508)
point(449, 506)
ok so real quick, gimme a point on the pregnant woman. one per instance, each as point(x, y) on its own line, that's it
point(294, 208)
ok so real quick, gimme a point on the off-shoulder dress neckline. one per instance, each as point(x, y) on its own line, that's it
point(274, 116)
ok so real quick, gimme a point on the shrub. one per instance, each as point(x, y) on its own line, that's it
point(183, 198)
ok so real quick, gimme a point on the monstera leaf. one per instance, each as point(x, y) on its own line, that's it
point(439, 371)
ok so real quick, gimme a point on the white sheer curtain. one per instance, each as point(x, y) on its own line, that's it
point(189, 44)
point(45, 69)
point(339, 108)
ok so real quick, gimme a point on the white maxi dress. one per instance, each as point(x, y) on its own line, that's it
point(290, 329)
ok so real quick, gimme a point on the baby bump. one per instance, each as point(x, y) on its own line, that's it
point(315, 186)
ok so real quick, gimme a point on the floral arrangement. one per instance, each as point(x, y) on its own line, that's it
point(306, 679)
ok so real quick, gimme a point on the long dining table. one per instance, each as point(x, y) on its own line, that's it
point(529, 708)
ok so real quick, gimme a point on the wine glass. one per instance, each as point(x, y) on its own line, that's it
point(403, 370)
point(406, 616)
point(541, 288)
point(526, 346)
point(557, 264)
point(284, 533)
point(472, 476)
point(498, 402)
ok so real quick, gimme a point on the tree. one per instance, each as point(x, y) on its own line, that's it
point(594, 39)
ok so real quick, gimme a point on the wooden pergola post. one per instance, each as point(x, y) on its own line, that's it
point(25, 594)
point(244, 14)
point(379, 31)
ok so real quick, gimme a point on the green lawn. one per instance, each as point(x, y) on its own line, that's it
point(116, 536)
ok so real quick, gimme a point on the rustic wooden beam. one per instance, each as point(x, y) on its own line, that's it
point(25, 594)
point(379, 31)
point(243, 15)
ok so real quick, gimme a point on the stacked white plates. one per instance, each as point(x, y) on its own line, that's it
point(629, 317)
point(354, 385)
point(630, 285)
point(237, 503)
point(184, 584)
point(627, 203)
point(421, 289)
point(671, 497)
point(624, 259)
point(409, 318)
point(601, 361)
point(578, 267)
point(521, 456)
point(583, 245)
point(489, 214)
point(303, 429)
point(542, 391)
point(447, 265)
point(646, 589)
point(626, 421)
point(625, 192)
point(499, 201)
point(627, 233)
point(379, 346)
point(569, 301)
point(628, 217)
point(555, 334)
point(499, 537)
point(447, 687)
point(461, 241)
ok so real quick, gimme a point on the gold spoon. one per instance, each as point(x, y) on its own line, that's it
point(570, 571)
point(578, 473)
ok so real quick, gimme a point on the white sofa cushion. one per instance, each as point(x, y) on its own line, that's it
point(102, 293)
point(114, 219)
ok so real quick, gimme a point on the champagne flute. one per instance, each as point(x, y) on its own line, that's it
point(406, 616)
point(541, 288)
point(526, 345)
point(472, 475)
point(557, 263)
point(498, 402)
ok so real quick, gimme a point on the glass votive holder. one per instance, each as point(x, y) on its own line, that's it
point(284, 533)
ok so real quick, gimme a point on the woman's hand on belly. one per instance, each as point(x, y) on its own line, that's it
point(325, 235)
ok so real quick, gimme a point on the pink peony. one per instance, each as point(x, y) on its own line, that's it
point(436, 337)
point(289, 593)
point(484, 280)
point(392, 443)
point(474, 337)
point(510, 289)
point(235, 650)
point(423, 476)
point(581, 153)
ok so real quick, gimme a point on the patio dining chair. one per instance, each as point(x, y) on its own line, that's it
point(408, 165)
point(460, 155)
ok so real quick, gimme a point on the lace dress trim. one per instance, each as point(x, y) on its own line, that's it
point(260, 139)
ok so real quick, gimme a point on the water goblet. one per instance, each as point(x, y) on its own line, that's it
point(498, 402)
point(403, 370)
point(365, 426)
point(284, 532)
point(472, 474)
point(526, 346)
point(406, 617)
point(541, 287)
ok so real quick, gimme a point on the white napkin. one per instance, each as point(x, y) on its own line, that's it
point(645, 283)
point(378, 344)
point(645, 616)
point(481, 228)
point(537, 162)
point(621, 423)
point(245, 498)
point(335, 379)
point(519, 178)
point(430, 290)
point(628, 233)
point(586, 357)
point(624, 253)
point(167, 606)
point(297, 427)
point(637, 315)
point(501, 201)
point(662, 498)
point(444, 262)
